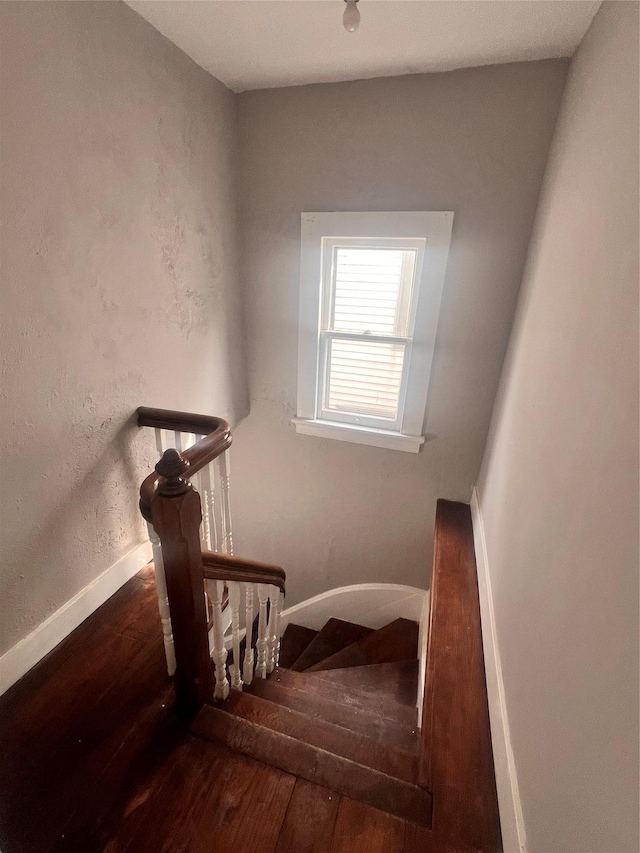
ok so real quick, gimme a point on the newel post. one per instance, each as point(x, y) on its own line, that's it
point(176, 516)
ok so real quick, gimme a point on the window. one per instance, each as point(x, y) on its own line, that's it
point(369, 301)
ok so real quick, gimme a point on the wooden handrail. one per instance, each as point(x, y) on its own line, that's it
point(222, 567)
point(217, 439)
point(180, 421)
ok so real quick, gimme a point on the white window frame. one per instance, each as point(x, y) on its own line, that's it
point(430, 233)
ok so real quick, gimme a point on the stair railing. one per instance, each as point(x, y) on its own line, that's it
point(201, 585)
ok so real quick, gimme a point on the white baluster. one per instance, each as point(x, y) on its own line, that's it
point(234, 604)
point(163, 600)
point(219, 653)
point(178, 441)
point(159, 446)
point(272, 627)
point(224, 471)
point(249, 655)
point(196, 480)
point(208, 536)
point(208, 509)
point(261, 644)
point(279, 606)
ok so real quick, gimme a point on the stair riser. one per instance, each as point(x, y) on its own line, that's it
point(335, 636)
point(395, 642)
point(294, 642)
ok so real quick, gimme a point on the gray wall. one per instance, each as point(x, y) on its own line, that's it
point(472, 141)
point(559, 484)
point(119, 282)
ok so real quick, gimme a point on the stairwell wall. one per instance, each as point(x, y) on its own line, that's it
point(473, 141)
point(558, 492)
point(120, 287)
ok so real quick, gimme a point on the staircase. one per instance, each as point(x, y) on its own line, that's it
point(337, 707)
point(339, 711)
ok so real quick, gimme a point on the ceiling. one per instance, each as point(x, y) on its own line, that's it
point(258, 44)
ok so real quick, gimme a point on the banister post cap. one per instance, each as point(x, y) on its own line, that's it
point(172, 466)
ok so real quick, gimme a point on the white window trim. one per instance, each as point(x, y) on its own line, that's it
point(432, 226)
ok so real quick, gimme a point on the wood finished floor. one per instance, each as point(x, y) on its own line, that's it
point(92, 758)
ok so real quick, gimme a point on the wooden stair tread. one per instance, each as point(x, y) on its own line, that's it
point(397, 680)
point(295, 640)
point(350, 697)
point(387, 723)
point(328, 736)
point(334, 636)
point(334, 772)
point(396, 641)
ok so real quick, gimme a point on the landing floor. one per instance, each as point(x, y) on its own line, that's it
point(93, 758)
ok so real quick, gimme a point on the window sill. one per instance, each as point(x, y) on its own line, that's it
point(359, 435)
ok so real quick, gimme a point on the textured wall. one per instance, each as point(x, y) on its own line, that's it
point(559, 485)
point(119, 282)
point(472, 141)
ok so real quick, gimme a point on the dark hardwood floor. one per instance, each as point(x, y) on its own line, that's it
point(93, 757)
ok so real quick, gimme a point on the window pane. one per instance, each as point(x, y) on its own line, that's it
point(364, 377)
point(372, 290)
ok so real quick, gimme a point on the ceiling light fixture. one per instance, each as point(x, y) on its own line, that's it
point(351, 17)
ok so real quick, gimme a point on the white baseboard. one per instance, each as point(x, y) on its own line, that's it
point(26, 653)
point(511, 819)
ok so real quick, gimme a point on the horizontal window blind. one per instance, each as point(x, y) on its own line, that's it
point(369, 291)
point(364, 377)
point(370, 294)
